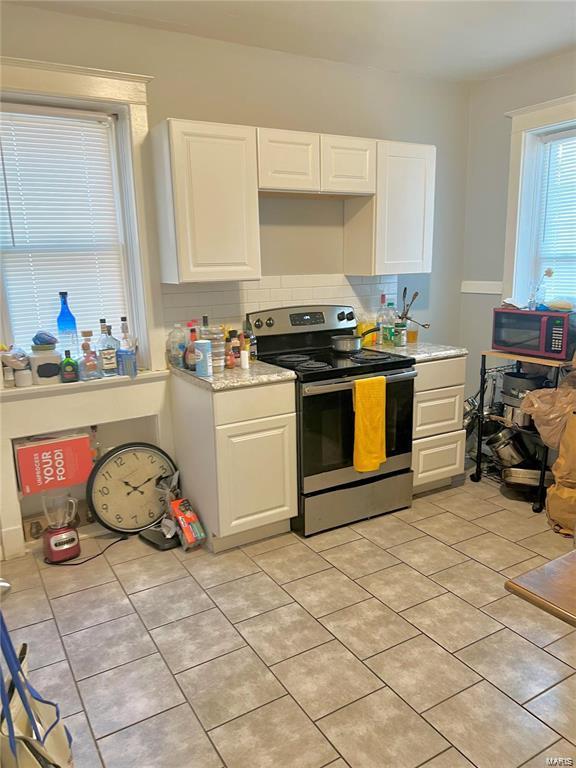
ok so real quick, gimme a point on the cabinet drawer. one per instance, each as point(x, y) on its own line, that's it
point(239, 405)
point(437, 458)
point(438, 411)
point(288, 160)
point(439, 374)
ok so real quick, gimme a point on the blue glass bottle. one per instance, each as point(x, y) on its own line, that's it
point(67, 330)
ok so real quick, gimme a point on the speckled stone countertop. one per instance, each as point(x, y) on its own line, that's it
point(424, 352)
point(259, 374)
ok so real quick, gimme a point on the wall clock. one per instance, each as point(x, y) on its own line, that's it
point(121, 489)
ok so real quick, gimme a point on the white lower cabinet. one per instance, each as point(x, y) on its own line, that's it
point(256, 467)
point(236, 452)
point(439, 441)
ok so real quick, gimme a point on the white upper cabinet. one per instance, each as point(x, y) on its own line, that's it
point(288, 160)
point(404, 208)
point(348, 165)
point(207, 187)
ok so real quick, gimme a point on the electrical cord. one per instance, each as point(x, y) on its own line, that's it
point(93, 557)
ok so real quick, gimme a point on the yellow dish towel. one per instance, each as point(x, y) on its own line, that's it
point(369, 423)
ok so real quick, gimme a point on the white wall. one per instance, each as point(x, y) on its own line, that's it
point(210, 80)
point(487, 180)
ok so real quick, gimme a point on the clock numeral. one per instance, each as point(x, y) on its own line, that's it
point(136, 456)
point(104, 507)
point(151, 513)
point(163, 469)
point(119, 461)
point(104, 491)
point(119, 518)
point(153, 459)
point(134, 517)
point(107, 474)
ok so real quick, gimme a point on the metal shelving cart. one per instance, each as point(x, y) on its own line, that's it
point(557, 365)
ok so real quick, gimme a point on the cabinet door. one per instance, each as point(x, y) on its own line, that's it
point(438, 411)
point(215, 198)
point(348, 165)
point(437, 458)
point(404, 208)
point(288, 160)
point(256, 472)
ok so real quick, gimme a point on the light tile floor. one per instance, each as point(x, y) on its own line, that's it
point(390, 642)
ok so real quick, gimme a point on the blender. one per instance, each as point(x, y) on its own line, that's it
point(60, 539)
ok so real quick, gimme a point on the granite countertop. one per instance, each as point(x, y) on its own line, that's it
point(424, 352)
point(259, 374)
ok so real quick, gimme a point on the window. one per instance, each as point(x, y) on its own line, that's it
point(556, 235)
point(60, 220)
point(541, 216)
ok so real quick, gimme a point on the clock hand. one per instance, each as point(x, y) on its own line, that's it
point(137, 487)
point(132, 488)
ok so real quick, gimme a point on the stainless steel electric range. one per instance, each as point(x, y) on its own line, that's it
point(331, 491)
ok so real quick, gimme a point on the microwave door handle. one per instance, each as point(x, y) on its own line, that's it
point(323, 389)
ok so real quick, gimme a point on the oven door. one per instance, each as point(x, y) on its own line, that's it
point(326, 431)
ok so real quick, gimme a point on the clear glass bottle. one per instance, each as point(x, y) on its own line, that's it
point(126, 355)
point(89, 363)
point(107, 347)
point(66, 324)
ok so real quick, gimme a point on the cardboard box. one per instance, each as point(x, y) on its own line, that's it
point(49, 464)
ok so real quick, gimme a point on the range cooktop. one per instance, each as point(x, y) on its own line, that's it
point(323, 363)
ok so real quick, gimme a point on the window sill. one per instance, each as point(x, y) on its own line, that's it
point(57, 390)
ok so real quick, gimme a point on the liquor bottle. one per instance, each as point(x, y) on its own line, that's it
point(107, 346)
point(88, 364)
point(66, 324)
point(126, 355)
point(69, 368)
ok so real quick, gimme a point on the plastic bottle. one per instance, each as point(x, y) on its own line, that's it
point(388, 329)
point(235, 344)
point(229, 355)
point(382, 321)
point(215, 334)
point(175, 346)
point(66, 324)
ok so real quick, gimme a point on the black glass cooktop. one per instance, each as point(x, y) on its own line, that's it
point(324, 363)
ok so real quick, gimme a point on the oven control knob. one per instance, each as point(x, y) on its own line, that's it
point(341, 316)
point(350, 316)
point(258, 323)
point(270, 322)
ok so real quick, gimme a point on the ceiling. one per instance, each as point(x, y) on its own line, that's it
point(458, 40)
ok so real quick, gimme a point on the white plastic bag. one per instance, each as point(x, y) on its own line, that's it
point(550, 409)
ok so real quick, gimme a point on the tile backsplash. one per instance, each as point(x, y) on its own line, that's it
point(229, 302)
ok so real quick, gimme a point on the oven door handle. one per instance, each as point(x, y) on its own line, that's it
point(339, 386)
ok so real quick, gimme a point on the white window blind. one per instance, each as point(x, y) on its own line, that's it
point(60, 227)
point(556, 244)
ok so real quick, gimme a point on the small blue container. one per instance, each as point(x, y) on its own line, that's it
point(203, 354)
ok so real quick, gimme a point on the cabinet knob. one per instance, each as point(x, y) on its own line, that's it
point(258, 323)
point(270, 322)
point(341, 316)
point(350, 316)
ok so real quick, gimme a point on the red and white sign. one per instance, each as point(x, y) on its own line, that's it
point(50, 464)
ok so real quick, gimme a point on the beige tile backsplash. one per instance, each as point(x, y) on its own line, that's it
point(229, 302)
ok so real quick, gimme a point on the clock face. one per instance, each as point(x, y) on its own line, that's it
point(122, 488)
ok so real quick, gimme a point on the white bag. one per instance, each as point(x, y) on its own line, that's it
point(32, 734)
